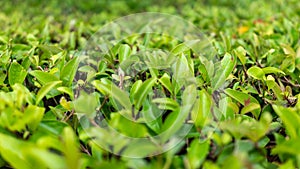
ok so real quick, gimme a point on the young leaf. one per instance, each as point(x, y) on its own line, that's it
point(182, 72)
point(256, 72)
point(16, 73)
point(166, 103)
point(10, 151)
point(142, 92)
point(86, 103)
point(290, 119)
point(290, 146)
point(43, 158)
point(45, 89)
point(107, 87)
point(241, 54)
point(288, 50)
point(128, 127)
point(51, 49)
point(124, 52)
point(228, 108)
point(272, 85)
point(268, 70)
point(68, 72)
point(227, 66)
point(197, 152)
point(66, 90)
point(175, 120)
point(136, 85)
point(244, 99)
point(250, 107)
point(201, 109)
point(181, 48)
point(165, 81)
point(33, 116)
point(70, 150)
point(43, 77)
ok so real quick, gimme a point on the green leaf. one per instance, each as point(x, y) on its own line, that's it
point(268, 53)
point(272, 85)
point(33, 116)
point(181, 48)
point(43, 77)
point(241, 97)
point(228, 108)
point(288, 50)
point(3, 75)
point(135, 88)
point(175, 120)
point(241, 54)
point(68, 72)
point(134, 149)
point(124, 52)
point(202, 109)
point(53, 127)
point(182, 71)
point(45, 89)
point(142, 92)
point(290, 146)
point(197, 152)
point(165, 81)
point(86, 103)
point(128, 127)
point(287, 165)
point(25, 155)
point(43, 158)
point(244, 145)
point(204, 73)
point(151, 115)
point(10, 151)
point(268, 70)
point(232, 162)
point(16, 73)
point(227, 65)
point(249, 128)
point(66, 90)
point(107, 87)
point(290, 119)
point(189, 97)
point(244, 99)
point(166, 103)
point(226, 41)
point(50, 49)
point(207, 68)
point(250, 107)
point(288, 64)
point(70, 150)
point(256, 72)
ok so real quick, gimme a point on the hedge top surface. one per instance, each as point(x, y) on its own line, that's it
point(69, 101)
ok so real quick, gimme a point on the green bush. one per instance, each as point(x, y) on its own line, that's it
point(241, 107)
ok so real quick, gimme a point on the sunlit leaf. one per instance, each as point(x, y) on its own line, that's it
point(256, 72)
point(16, 73)
point(45, 89)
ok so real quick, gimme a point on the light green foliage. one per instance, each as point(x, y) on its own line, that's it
point(237, 107)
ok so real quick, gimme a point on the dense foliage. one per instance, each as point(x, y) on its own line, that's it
point(244, 102)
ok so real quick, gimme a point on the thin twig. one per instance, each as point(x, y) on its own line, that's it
point(286, 80)
point(85, 150)
point(69, 116)
point(94, 123)
point(104, 101)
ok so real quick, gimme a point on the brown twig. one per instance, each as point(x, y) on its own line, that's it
point(85, 150)
point(70, 115)
point(286, 80)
